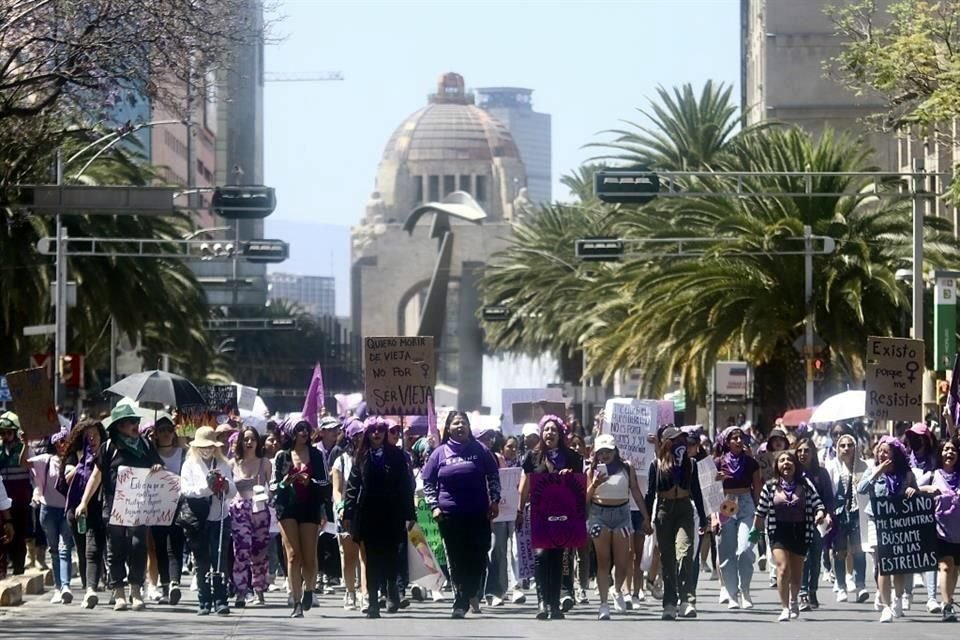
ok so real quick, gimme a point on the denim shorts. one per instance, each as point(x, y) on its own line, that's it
point(610, 518)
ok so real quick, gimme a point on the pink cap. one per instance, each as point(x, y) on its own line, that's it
point(919, 428)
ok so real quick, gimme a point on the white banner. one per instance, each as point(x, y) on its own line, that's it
point(630, 422)
point(712, 489)
point(509, 494)
point(145, 498)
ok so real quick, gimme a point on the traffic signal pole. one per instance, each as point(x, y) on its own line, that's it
point(808, 301)
point(60, 299)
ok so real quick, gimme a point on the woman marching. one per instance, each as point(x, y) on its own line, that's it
point(551, 455)
point(819, 477)
point(610, 484)
point(741, 488)
point(206, 479)
point(90, 532)
point(461, 484)
point(845, 473)
point(15, 475)
point(302, 489)
point(675, 484)
point(946, 486)
point(126, 546)
point(890, 477)
point(169, 541)
point(353, 570)
point(378, 510)
point(249, 517)
point(503, 570)
point(922, 445)
point(791, 507)
point(51, 492)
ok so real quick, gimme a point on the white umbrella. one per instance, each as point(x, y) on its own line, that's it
point(843, 406)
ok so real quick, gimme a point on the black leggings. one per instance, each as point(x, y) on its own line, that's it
point(169, 543)
point(467, 543)
point(548, 570)
point(383, 567)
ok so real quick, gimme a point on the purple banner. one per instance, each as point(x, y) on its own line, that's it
point(558, 510)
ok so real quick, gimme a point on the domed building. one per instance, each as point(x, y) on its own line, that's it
point(449, 145)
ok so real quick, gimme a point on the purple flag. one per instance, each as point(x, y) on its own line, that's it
point(432, 431)
point(558, 510)
point(314, 400)
point(953, 398)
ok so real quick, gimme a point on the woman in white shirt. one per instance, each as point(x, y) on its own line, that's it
point(206, 482)
point(50, 491)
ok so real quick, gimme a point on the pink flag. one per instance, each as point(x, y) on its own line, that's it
point(314, 400)
point(432, 431)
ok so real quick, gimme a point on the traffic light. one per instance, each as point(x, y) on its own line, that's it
point(71, 370)
point(496, 313)
point(637, 185)
point(212, 250)
point(599, 249)
point(263, 251)
point(243, 203)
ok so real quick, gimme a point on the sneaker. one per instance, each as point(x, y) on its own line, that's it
point(733, 603)
point(496, 601)
point(90, 599)
point(877, 605)
point(886, 615)
point(773, 582)
point(566, 603)
point(804, 602)
point(164, 595)
point(136, 599)
point(933, 606)
point(153, 594)
point(814, 600)
point(762, 563)
point(897, 607)
point(604, 612)
point(518, 597)
point(416, 592)
point(194, 584)
point(119, 600)
point(851, 584)
point(437, 595)
point(350, 601)
point(458, 614)
point(618, 603)
point(714, 575)
point(174, 594)
point(260, 600)
point(689, 610)
point(66, 596)
point(842, 596)
point(222, 609)
point(862, 596)
point(639, 596)
point(240, 603)
point(582, 596)
point(669, 613)
point(948, 613)
point(655, 588)
point(794, 610)
point(203, 609)
point(57, 597)
point(746, 602)
point(724, 596)
point(784, 616)
point(628, 602)
point(906, 600)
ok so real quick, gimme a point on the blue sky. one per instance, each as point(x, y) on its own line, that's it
point(590, 64)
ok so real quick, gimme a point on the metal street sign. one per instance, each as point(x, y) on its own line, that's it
point(631, 186)
point(496, 313)
point(73, 199)
point(243, 203)
point(600, 249)
point(265, 251)
point(40, 330)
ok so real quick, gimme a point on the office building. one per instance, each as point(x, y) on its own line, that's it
point(316, 294)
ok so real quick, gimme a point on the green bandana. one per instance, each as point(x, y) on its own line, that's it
point(134, 445)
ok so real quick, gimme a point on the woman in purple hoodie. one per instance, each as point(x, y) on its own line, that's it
point(461, 484)
point(946, 486)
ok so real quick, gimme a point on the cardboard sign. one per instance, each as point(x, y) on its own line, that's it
point(219, 398)
point(33, 401)
point(509, 397)
point(145, 498)
point(399, 374)
point(558, 510)
point(630, 422)
point(432, 532)
point(509, 494)
point(906, 534)
point(894, 379)
point(524, 412)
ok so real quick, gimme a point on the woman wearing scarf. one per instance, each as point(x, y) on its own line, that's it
point(378, 510)
point(249, 517)
point(127, 546)
point(502, 571)
point(922, 445)
point(169, 541)
point(89, 533)
point(675, 485)
point(551, 455)
point(891, 477)
point(740, 474)
point(353, 570)
point(946, 486)
point(819, 477)
point(791, 507)
point(206, 478)
point(15, 475)
point(845, 475)
point(461, 484)
point(302, 489)
point(50, 492)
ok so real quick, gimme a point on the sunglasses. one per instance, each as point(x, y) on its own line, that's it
point(845, 445)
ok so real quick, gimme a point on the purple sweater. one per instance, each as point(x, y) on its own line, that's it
point(461, 479)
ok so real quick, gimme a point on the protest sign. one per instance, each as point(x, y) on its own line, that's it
point(510, 397)
point(145, 498)
point(509, 494)
point(525, 412)
point(906, 534)
point(711, 488)
point(422, 565)
point(33, 400)
point(894, 379)
point(220, 399)
point(247, 398)
point(558, 510)
point(431, 531)
point(630, 422)
point(399, 375)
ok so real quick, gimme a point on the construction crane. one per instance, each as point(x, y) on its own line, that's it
point(303, 76)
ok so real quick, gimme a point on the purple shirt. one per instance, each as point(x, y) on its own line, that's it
point(947, 509)
point(457, 482)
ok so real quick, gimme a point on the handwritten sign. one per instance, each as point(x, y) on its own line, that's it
point(630, 422)
point(33, 400)
point(510, 397)
point(219, 398)
point(509, 494)
point(906, 534)
point(145, 498)
point(711, 488)
point(526, 561)
point(558, 510)
point(894, 379)
point(399, 375)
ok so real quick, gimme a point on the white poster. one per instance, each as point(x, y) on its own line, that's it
point(712, 489)
point(422, 565)
point(509, 494)
point(145, 498)
point(246, 397)
point(509, 396)
point(630, 422)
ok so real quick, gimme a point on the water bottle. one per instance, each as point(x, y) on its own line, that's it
point(82, 525)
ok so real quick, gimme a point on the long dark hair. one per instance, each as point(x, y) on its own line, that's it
point(77, 440)
point(939, 457)
point(450, 418)
point(378, 422)
point(797, 469)
point(541, 450)
point(814, 458)
point(238, 445)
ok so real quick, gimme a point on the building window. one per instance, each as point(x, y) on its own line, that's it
point(449, 184)
point(418, 189)
point(481, 193)
point(465, 183)
point(433, 188)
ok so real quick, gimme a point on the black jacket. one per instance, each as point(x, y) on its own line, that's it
point(379, 500)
